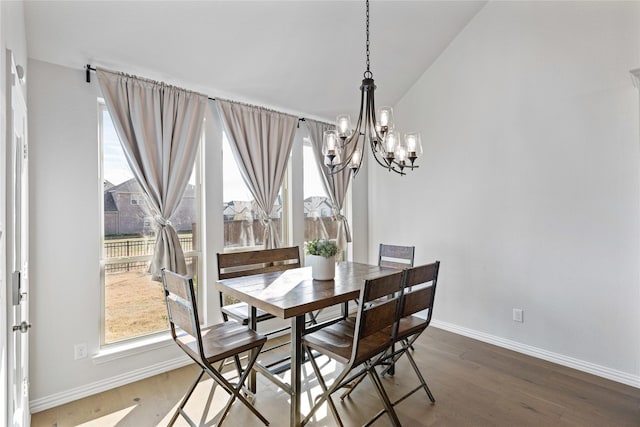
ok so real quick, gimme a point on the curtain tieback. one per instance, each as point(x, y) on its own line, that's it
point(162, 222)
point(343, 219)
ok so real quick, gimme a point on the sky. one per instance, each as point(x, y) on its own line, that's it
point(116, 170)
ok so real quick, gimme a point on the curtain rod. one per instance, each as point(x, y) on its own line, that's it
point(89, 69)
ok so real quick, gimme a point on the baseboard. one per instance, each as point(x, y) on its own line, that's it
point(67, 396)
point(570, 362)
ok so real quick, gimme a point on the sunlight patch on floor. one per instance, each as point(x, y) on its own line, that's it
point(111, 419)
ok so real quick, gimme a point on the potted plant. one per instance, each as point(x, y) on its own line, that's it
point(321, 255)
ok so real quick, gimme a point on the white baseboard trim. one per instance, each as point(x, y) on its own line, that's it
point(580, 365)
point(67, 396)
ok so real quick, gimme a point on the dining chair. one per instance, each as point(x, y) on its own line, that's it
point(393, 256)
point(239, 264)
point(418, 295)
point(398, 257)
point(358, 342)
point(209, 346)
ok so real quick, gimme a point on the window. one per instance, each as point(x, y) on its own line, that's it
point(319, 222)
point(243, 226)
point(132, 304)
point(137, 199)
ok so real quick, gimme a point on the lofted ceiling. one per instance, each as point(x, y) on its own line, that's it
point(304, 57)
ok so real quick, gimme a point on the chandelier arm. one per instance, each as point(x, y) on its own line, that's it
point(374, 122)
point(353, 139)
point(356, 131)
point(385, 164)
point(378, 141)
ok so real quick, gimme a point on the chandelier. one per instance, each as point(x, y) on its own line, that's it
point(344, 146)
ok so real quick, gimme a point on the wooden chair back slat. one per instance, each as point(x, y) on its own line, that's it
point(417, 300)
point(175, 284)
point(393, 256)
point(238, 264)
point(181, 309)
point(378, 304)
point(422, 274)
point(378, 317)
point(181, 315)
point(419, 290)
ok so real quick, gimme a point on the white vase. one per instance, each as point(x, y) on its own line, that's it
point(322, 268)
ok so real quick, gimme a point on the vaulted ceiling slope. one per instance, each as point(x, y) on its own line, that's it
point(305, 57)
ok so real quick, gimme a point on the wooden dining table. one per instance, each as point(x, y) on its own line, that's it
point(292, 294)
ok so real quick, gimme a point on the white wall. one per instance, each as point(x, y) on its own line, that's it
point(528, 191)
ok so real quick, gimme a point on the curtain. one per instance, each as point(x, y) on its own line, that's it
point(159, 127)
point(261, 141)
point(335, 185)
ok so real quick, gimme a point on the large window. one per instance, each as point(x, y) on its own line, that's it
point(243, 224)
point(319, 222)
point(132, 304)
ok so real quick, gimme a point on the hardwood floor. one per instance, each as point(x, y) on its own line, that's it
point(474, 383)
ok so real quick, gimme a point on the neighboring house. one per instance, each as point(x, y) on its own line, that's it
point(316, 207)
point(126, 210)
point(247, 210)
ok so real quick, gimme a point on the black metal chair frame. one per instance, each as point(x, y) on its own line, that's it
point(185, 329)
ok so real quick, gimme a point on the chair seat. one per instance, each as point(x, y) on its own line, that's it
point(221, 341)
point(240, 312)
point(336, 341)
point(409, 326)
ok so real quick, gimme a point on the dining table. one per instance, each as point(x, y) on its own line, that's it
point(293, 294)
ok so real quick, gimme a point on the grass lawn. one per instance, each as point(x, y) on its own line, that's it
point(134, 306)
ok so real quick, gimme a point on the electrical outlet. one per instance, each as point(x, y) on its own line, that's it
point(80, 351)
point(517, 315)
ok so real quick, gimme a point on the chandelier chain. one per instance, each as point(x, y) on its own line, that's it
point(368, 73)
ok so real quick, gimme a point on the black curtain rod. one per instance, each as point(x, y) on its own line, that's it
point(89, 69)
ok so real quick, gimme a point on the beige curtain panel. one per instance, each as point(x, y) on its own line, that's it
point(261, 142)
point(335, 185)
point(159, 127)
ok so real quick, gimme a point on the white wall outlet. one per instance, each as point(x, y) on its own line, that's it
point(517, 315)
point(80, 351)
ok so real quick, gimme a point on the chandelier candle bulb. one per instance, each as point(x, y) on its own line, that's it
point(414, 146)
point(391, 141)
point(344, 126)
point(386, 116)
point(355, 160)
point(330, 143)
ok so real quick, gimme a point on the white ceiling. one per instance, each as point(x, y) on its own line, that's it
point(304, 57)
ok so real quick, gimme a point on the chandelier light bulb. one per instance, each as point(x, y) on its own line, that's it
point(330, 143)
point(386, 117)
point(343, 126)
point(355, 160)
point(414, 145)
point(390, 143)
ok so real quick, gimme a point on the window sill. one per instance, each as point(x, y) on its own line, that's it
point(131, 348)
